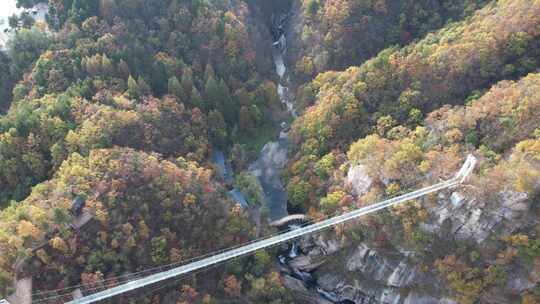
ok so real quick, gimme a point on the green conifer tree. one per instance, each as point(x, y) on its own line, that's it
point(133, 88)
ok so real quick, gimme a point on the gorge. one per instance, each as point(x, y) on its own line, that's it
point(184, 127)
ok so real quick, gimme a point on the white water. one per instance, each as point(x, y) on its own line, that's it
point(279, 50)
point(283, 93)
point(280, 65)
point(273, 157)
point(277, 198)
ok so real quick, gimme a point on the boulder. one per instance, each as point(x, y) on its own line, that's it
point(416, 298)
point(402, 275)
point(390, 296)
point(305, 263)
point(359, 180)
point(329, 281)
point(370, 263)
point(294, 284)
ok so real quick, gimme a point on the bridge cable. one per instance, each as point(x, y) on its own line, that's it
point(128, 277)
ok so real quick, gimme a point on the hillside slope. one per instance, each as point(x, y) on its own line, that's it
point(123, 111)
point(365, 138)
point(399, 86)
point(333, 35)
point(121, 108)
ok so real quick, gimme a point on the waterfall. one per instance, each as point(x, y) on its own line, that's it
point(279, 51)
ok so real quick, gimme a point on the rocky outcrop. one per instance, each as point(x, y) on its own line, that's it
point(403, 275)
point(392, 276)
point(23, 291)
point(267, 168)
point(415, 298)
point(294, 284)
point(370, 263)
point(381, 276)
point(471, 219)
point(366, 276)
point(372, 276)
point(359, 180)
point(305, 263)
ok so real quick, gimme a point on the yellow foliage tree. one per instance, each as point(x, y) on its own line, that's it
point(28, 229)
point(59, 244)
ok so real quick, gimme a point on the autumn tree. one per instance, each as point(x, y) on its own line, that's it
point(232, 286)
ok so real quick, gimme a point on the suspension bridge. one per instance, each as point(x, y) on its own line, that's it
point(207, 261)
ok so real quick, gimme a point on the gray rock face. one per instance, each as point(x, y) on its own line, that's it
point(515, 201)
point(273, 158)
point(377, 278)
point(359, 180)
point(294, 284)
point(377, 267)
point(393, 277)
point(267, 168)
point(305, 263)
point(328, 246)
point(390, 296)
point(320, 300)
point(369, 263)
point(475, 220)
point(447, 301)
point(369, 275)
point(403, 275)
point(517, 283)
point(415, 298)
point(329, 281)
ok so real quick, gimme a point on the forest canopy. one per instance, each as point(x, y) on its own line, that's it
point(113, 112)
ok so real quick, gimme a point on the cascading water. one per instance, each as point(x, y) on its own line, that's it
point(279, 51)
point(273, 156)
point(272, 160)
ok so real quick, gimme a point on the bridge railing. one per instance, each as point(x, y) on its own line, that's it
point(284, 237)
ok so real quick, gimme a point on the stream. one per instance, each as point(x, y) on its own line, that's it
point(272, 161)
point(269, 165)
point(279, 51)
point(273, 157)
